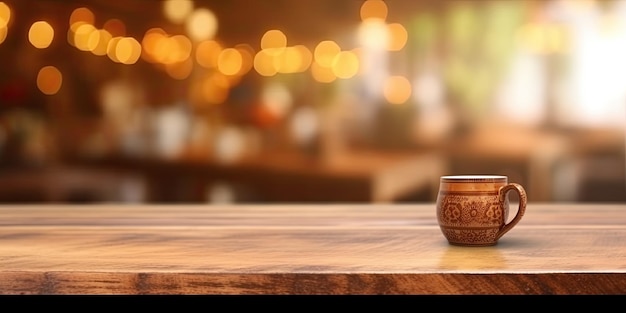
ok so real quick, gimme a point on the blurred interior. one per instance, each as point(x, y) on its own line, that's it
point(309, 101)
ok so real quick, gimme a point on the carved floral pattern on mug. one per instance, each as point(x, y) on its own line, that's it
point(483, 210)
point(471, 236)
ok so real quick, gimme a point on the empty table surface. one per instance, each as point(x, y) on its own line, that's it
point(562, 248)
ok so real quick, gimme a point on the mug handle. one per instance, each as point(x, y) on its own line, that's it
point(502, 195)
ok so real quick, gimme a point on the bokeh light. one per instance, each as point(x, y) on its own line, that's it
point(41, 34)
point(150, 42)
point(374, 34)
point(229, 144)
point(112, 49)
point(5, 15)
point(207, 53)
point(214, 88)
point(81, 35)
point(264, 63)
point(325, 53)
point(82, 15)
point(49, 80)
point(373, 9)
point(289, 61)
point(229, 61)
point(274, 40)
point(201, 25)
point(177, 11)
point(398, 36)
point(397, 90)
point(128, 50)
point(345, 64)
point(247, 58)
point(98, 41)
point(304, 125)
point(306, 57)
point(277, 99)
point(3, 33)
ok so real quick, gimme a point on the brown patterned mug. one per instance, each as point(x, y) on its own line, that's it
point(472, 210)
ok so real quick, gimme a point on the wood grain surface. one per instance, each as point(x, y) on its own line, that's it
point(303, 249)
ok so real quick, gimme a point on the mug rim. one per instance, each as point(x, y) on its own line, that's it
point(474, 177)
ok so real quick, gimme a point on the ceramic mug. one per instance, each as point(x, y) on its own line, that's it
point(472, 210)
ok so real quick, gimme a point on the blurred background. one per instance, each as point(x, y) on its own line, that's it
point(264, 101)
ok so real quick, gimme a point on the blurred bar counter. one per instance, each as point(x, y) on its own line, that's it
point(587, 166)
point(357, 176)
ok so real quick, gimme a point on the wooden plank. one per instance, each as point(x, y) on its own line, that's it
point(312, 284)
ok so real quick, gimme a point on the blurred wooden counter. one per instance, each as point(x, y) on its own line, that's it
point(527, 156)
point(303, 249)
point(357, 176)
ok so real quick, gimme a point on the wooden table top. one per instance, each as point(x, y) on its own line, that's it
point(303, 249)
